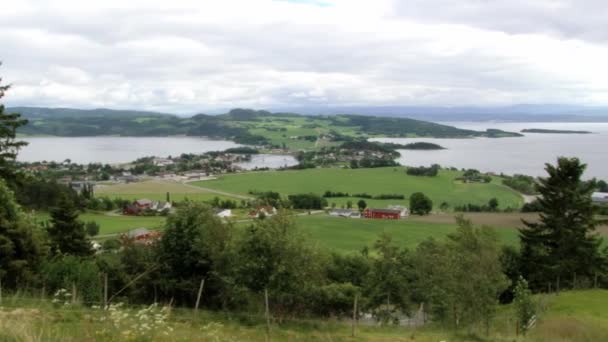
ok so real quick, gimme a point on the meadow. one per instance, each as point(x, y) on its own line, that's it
point(157, 190)
point(110, 223)
point(390, 180)
point(570, 316)
point(352, 235)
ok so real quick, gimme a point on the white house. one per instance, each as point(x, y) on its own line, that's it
point(224, 213)
point(404, 212)
point(350, 213)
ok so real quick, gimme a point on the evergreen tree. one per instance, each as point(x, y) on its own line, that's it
point(562, 245)
point(22, 243)
point(9, 122)
point(66, 233)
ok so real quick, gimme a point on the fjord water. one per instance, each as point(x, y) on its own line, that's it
point(113, 150)
point(525, 155)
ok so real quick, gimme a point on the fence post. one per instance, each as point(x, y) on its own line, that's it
point(267, 314)
point(105, 291)
point(73, 292)
point(595, 280)
point(354, 316)
point(200, 292)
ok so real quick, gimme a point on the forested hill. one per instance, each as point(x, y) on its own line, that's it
point(241, 125)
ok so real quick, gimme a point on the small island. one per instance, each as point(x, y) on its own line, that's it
point(552, 131)
point(422, 146)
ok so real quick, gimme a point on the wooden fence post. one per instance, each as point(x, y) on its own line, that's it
point(267, 315)
point(595, 280)
point(200, 292)
point(354, 316)
point(73, 292)
point(105, 291)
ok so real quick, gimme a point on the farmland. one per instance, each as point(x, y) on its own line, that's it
point(157, 190)
point(351, 235)
point(114, 224)
point(391, 180)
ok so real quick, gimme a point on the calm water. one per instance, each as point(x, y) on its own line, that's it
point(272, 161)
point(113, 150)
point(525, 155)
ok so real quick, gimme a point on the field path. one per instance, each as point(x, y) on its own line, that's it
point(219, 192)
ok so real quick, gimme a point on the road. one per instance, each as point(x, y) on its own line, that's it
point(219, 192)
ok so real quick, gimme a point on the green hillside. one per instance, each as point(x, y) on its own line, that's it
point(443, 188)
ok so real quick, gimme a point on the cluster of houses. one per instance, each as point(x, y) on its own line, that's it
point(391, 213)
point(144, 205)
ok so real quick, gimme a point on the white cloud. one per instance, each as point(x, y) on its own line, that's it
point(193, 56)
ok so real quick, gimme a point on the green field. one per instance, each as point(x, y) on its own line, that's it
point(113, 224)
point(156, 190)
point(391, 180)
point(351, 235)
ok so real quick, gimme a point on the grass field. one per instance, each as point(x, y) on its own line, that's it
point(391, 180)
point(156, 190)
point(351, 235)
point(115, 224)
point(570, 316)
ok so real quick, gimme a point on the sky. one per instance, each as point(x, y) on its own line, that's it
point(187, 56)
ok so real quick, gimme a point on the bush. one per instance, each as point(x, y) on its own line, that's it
point(423, 171)
point(420, 204)
point(307, 201)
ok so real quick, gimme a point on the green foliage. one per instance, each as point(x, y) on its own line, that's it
point(9, 123)
point(420, 204)
point(92, 228)
point(307, 201)
point(423, 171)
point(192, 248)
point(521, 183)
point(563, 243)
point(66, 232)
point(462, 278)
point(63, 271)
point(389, 282)
point(22, 243)
point(361, 205)
point(273, 255)
point(524, 305)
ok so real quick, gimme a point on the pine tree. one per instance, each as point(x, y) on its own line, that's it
point(562, 245)
point(22, 243)
point(9, 122)
point(66, 233)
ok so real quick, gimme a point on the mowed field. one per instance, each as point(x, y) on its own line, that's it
point(115, 224)
point(157, 190)
point(351, 235)
point(390, 180)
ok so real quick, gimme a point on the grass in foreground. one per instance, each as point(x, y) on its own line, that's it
point(390, 180)
point(570, 316)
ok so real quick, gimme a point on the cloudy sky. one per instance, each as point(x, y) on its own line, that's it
point(192, 56)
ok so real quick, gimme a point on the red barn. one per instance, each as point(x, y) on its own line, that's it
point(388, 214)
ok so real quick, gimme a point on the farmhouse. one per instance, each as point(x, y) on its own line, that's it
point(223, 213)
point(350, 213)
point(263, 211)
point(599, 197)
point(388, 214)
point(141, 205)
point(404, 211)
point(142, 236)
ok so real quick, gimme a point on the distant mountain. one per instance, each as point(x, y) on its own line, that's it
point(47, 113)
point(516, 113)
